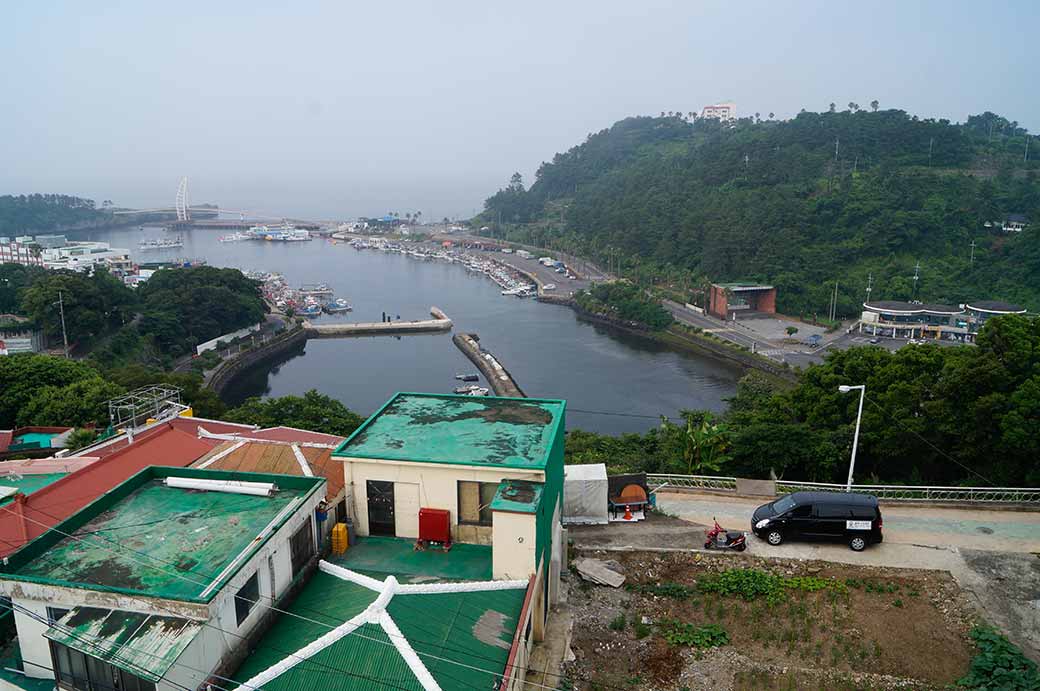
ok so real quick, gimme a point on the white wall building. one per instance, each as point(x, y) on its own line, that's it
point(720, 111)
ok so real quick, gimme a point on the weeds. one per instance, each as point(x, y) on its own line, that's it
point(618, 622)
point(999, 664)
point(682, 633)
point(640, 629)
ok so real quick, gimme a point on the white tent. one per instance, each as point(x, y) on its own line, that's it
point(585, 494)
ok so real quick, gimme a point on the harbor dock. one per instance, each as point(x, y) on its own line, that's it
point(497, 376)
point(440, 322)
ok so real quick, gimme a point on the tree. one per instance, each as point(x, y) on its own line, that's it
point(874, 105)
point(312, 411)
point(792, 330)
point(770, 115)
point(704, 444)
point(833, 107)
point(853, 106)
point(516, 183)
point(22, 376)
point(80, 404)
point(80, 437)
point(758, 116)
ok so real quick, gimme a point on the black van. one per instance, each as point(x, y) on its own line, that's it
point(853, 518)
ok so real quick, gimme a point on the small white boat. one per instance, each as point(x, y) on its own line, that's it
point(338, 305)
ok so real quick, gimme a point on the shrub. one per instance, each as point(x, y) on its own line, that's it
point(999, 664)
point(618, 622)
point(683, 633)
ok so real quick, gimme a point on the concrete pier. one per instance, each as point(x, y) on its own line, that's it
point(440, 322)
point(498, 377)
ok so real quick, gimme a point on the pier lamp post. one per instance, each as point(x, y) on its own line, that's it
point(855, 439)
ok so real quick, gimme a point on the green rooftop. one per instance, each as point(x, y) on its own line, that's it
point(518, 496)
point(27, 484)
point(466, 430)
point(374, 555)
point(145, 538)
point(473, 628)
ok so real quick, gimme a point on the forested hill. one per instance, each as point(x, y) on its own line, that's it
point(33, 213)
point(797, 203)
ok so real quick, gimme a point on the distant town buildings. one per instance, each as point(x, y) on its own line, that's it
point(56, 252)
point(725, 300)
point(19, 335)
point(720, 111)
point(895, 319)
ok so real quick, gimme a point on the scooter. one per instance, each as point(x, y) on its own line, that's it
point(717, 538)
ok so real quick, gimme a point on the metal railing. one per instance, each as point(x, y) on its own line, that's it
point(902, 493)
point(657, 481)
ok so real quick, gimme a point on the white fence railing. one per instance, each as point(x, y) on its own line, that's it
point(907, 493)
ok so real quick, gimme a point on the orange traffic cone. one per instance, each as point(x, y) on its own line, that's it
point(628, 513)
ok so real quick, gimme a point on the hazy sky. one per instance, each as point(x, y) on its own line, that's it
point(339, 109)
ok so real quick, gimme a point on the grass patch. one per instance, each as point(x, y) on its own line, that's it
point(618, 622)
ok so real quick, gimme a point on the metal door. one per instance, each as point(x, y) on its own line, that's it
point(380, 508)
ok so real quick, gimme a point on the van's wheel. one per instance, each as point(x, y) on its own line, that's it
point(774, 537)
point(857, 543)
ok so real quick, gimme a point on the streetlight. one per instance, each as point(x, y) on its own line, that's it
point(844, 388)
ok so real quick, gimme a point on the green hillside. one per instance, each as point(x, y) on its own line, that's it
point(797, 203)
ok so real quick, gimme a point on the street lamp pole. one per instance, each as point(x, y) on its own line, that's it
point(64, 334)
point(855, 439)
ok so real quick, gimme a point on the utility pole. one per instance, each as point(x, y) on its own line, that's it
point(64, 334)
point(836, 149)
point(1025, 157)
point(917, 276)
point(930, 142)
point(973, 252)
point(870, 285)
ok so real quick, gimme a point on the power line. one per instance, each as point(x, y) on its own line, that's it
point(270, 607)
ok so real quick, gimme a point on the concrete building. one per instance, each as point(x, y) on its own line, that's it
point(494, 464)
point(1015, 223)
point(913, 320)
point(720, 111)
point(727, 300)
point(19, 335)
point(161, 583)
point(20, 251)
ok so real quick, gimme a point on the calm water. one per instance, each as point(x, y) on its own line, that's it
point(549, 351)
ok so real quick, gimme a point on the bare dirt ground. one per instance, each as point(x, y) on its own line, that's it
point(999, 567)
point(856, 627)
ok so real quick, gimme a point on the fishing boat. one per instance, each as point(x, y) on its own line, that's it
point(319, 289)
point(472, 390)
point(234, 237)
point(161, 244)
point(311, 310)
point(467, 377)
point(338, 305)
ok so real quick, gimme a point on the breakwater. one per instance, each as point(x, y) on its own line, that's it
point(226, 371)
point(497, 376)
point(440, 322)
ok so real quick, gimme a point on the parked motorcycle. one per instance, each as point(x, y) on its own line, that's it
point(717, 538)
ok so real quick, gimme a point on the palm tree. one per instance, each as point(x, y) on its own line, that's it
point(833, 107)
point(770, 115)
point(757, 117)
point(874, 105)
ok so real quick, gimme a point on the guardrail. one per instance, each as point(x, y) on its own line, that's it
point(903, 493)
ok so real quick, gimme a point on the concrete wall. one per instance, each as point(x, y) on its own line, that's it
point(718, 304)
point(513, 556)
point(436, 487)
point(212, 343)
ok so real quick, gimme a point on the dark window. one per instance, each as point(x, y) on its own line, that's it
point(475, 501)
point(341, 511)
point(55, 613)
point(832, 511)
point(246, 598)
point(301, 547)
point(79, 672)
point(802, 511)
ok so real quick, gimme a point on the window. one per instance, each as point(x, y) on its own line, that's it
point(802, 511)
point(55, 613)
point(301, 547)
point(246, 598)
point(78, 672)
point(832, 511)
point(475, 502)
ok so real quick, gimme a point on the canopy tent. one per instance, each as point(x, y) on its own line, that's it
point(585, 494)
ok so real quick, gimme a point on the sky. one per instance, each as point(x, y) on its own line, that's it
point(343, 109)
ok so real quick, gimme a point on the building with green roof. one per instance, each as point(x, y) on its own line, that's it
point(157, 583)
point(494, 464)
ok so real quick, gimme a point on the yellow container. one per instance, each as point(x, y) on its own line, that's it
point(339, 538)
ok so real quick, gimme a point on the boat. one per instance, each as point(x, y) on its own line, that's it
point(338, 305)
point(162, 244)
point(468, 377)
point(472, 390)
point(234, 237)
point(319, 289)
point(311, 310)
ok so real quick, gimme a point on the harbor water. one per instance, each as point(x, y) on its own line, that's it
point(624, 382)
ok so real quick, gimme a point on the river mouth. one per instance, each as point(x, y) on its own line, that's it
point(614, 382)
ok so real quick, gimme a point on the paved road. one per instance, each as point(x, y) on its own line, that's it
point(727, 330)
